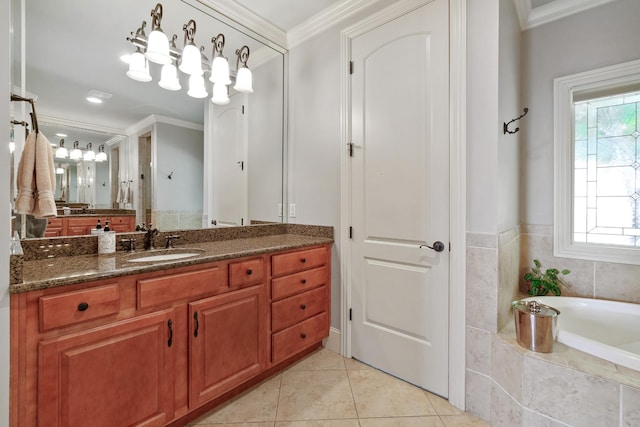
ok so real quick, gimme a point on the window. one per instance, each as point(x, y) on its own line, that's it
point(597, 164)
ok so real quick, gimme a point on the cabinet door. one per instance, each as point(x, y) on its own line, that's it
point(117, 375)
point(227, 342)
point(55, 228)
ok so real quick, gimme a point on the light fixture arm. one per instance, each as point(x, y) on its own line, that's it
point(242, 56)
point(156, 17)
point(218, 45)
point(189, 32)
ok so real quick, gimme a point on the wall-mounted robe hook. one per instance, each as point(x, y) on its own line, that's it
point(505, 126)
point(170, 175)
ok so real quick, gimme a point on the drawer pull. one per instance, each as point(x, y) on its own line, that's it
point(197, 325)
point(303, 306)
point(83, 306)
point(249, 272)
point(303, 260)
point(303, 281)
point(303, 335)
point(170, 325)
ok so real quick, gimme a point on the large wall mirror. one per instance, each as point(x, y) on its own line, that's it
point(177, 161)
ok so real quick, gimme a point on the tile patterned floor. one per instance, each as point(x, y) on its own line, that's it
point(327, 390)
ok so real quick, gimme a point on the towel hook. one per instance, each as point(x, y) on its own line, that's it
point(505, 126)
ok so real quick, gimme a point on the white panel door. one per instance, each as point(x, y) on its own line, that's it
point(400, 197)
point(229, 164)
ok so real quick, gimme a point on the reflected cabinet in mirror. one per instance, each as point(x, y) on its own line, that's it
point(171, 150)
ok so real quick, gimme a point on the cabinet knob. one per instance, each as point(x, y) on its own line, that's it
point(303, 281)
point(83, 306)
point(303, 335)
point(249, 272)
point(303, 306)
point(303, 260)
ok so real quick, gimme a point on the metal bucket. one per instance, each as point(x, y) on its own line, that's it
point(536, 325)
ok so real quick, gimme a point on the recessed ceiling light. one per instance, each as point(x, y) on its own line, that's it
point(62, 135)
point(94, 100)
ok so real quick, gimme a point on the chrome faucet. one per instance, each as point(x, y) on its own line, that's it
point(129, 245)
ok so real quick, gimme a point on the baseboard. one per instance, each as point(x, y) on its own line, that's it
point(333, 341)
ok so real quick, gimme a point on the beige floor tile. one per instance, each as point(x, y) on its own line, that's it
point(380, 395)
point(319, 423)
point(442, 406)
point(315, 395)
point(270, 424)
point(463, 421)
point(431, 421)
point(354, 364)
point(256, 405)
point(320, 360)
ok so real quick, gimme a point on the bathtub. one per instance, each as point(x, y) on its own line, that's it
point(606, 329)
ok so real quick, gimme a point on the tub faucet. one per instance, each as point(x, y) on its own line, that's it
point(150, 237)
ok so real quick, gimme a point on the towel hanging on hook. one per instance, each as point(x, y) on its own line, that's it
point(505, 126)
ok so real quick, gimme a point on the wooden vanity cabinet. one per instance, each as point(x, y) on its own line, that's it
point(122, 224)
point(117, 375)
point(55, 228)
point(160, 348)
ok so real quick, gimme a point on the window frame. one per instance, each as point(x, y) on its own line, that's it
point(564, 88)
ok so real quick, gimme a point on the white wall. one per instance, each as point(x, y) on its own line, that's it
point(181, 151)
point(598, 37)
point(5, 90)
point(483, 126)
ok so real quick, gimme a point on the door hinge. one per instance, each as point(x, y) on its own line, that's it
point(350, 67)
point(350, 149)
point(350, 232)
point(350, 314)
point(243, 109)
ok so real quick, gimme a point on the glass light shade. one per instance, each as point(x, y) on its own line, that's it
point(139, 68)
point(75, 154)
point(59, 171)
point(101, 156)
point(196, 87)
point(169, 77)
point(191, 62)
point(220, 94)
point(12, 146)
point(220, 71)
point(158, 48)
point(244, 80)
point(89, 156)
point(62, 153)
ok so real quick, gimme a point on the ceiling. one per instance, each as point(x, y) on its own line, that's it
point(287, 14)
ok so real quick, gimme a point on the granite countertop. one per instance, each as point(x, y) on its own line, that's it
point(56, 271)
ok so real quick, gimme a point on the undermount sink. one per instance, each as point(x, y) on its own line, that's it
point(164, 255)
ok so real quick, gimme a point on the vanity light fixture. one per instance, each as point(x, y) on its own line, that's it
point(59, 170)
point(75, 154)
point(61, 151)
point(101, 156)
point(244, 78)
point(89, 155)
point(191, 61)
point(158, 43)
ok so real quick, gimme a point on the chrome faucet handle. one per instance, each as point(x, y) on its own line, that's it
point(170, 241)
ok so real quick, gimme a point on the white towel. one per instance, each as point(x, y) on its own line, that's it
point(26, 183)
point(36, 178)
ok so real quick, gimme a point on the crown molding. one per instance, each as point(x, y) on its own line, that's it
point(248, 19)
point(148, 121)
point(325, 19)
point(557, 9)
point(51, 120)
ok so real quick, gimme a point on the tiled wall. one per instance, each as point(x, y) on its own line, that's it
point(510, 386)
point(176, 220)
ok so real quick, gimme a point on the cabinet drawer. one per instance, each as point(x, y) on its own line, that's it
point(163, 290)
point(298, 261)
point(294, 309)
point(78, 306)
point(245, 273)
point(290, 341)
point(299, 282)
